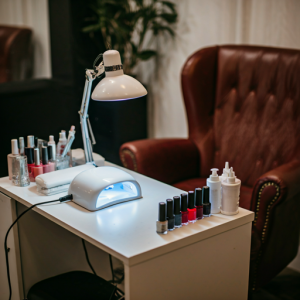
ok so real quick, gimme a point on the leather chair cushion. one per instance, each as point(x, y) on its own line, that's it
point(190, 184)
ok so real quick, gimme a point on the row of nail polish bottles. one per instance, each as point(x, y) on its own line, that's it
point(183, 210)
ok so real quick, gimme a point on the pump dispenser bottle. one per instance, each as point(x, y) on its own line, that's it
point(230, 194)
point(214, 184)
point(177, 211)
point(184, 209)
point(162, 223)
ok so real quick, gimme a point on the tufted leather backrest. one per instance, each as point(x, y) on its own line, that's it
point(252, 112)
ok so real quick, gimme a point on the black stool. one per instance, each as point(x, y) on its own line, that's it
point(76, 285)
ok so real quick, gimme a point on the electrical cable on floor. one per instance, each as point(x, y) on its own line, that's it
point(87, 257)
point(62, 199)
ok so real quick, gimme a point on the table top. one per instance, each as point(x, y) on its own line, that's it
point(127, 230)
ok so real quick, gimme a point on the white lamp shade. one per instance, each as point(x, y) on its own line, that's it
point(116, 86)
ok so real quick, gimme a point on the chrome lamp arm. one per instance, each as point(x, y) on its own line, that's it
point(90, 76)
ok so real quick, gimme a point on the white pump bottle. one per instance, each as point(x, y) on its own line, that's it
point(214, 184)
point(230, 194)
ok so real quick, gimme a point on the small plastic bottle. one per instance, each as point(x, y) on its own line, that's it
point(230, 195)
point(61, 143)
point(214, 184)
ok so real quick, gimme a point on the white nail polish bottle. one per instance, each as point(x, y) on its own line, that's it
point(214, 184)
point(14, 153)
point(230, 194)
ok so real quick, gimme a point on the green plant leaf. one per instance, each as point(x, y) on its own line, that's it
point(169, 18)
point(146, 54)
point(170, 5)
point(91, 28)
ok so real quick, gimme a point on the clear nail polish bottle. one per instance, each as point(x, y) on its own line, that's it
point(14, 153)
point(162, 223)
point(20, 176)
point(206, 202)
point(177, 211)
point(170, 214)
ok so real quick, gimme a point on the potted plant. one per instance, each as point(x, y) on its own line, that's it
point(124, 25)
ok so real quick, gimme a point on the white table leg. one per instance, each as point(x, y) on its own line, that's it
point(215, 268)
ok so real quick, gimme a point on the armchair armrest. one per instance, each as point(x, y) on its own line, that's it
point(273, 188)
point(167, 160)
point(276, 203)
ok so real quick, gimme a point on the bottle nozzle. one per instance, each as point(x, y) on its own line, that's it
point(227, 165)
point(214, 171)
point(231, 177)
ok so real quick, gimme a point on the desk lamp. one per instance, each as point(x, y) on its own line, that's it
point(98, 188)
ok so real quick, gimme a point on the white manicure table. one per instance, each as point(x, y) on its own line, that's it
point(205, 260)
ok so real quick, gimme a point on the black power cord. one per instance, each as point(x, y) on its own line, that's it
point(62, 199)
point(87, 257)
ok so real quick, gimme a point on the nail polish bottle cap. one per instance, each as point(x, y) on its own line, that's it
point(30, 141)
point(205, 194)
point(36, 142)
point(162, 211)
point(198, 196)
point(14, 146)
point(29, 153)
point(51, 138)
point(45, 155)
point(21, 143)
point(51, 152)
point(191, 201)
point(176, 205)
point(37, 161)
point(184, 202)
point(170, 208)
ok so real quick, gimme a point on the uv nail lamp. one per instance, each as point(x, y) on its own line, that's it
point(101, 187)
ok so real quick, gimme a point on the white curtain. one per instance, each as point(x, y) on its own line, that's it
point(32, 14)
point(204, 23)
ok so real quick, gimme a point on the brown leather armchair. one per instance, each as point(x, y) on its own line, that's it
point(243, 106)
point(15, 53)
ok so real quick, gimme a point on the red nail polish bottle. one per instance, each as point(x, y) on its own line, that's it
point(191, 207)
point(37, 169)
point(199, 205)
point(184, 209)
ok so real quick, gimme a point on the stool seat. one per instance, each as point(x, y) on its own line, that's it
point(75, 285)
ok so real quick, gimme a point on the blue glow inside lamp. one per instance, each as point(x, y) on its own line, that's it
point(101, 187)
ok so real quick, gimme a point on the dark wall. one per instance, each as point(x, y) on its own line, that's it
point(44, 107)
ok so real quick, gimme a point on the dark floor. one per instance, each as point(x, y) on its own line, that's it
point(286, 286)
